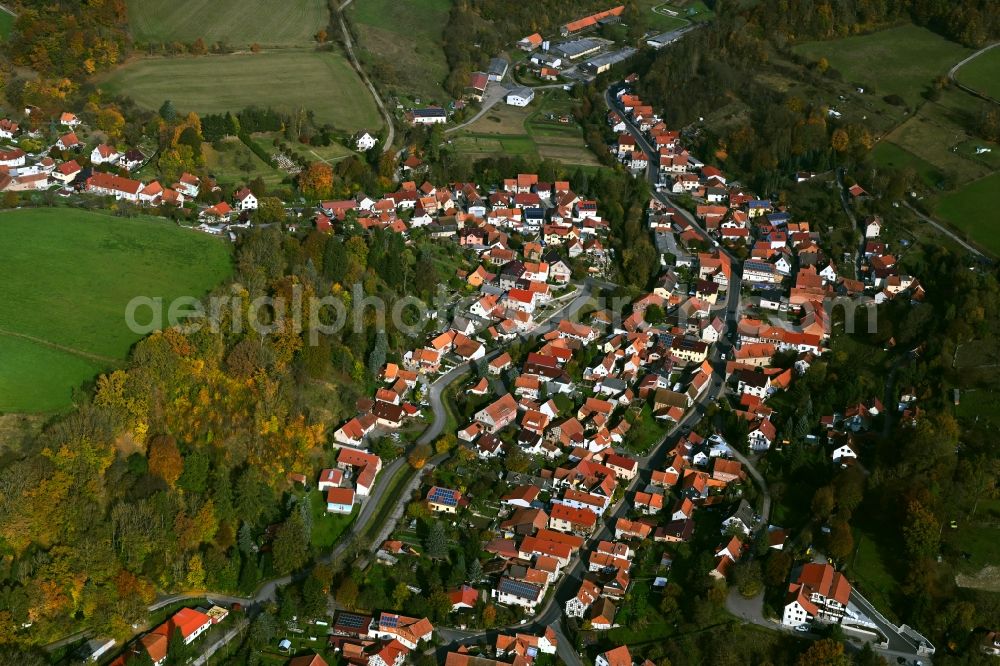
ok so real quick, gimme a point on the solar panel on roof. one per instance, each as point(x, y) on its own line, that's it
point(351, 621)
point(520, 589)
point(391, 621)
point(443, 496)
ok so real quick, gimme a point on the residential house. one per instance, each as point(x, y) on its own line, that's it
point(444, 500)
point(407, 630)
point(819, 593)
point(340, 500)
point(364, 142)
point(104, 154)
point(245, 200)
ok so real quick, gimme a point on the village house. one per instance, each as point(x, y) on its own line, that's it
point(245, 200)
point(818, 593)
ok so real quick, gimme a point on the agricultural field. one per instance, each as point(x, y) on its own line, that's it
point(400, 44)
point(909, 58)
point(69, 276)
point(983, 73)
point(972, 209)
point(230, 161)
point(324, 83)
point(545, 129)
point(233, 22)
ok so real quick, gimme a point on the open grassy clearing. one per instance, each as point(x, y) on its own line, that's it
point(69, 275)
point(234, 22)
point(663, 17)
point(6, 24)
point(694, 10)
point(869, 570)
point(36, 378)
point(972, 209)
point(908, 58)
point(323, 82)
point(889, 154)
point(233, 162)
point(401, 44)
point(979, 404)
point(983, 73)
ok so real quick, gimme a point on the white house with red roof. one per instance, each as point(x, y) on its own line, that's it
point(245, 200)
point(68, 119)
point(104, 154)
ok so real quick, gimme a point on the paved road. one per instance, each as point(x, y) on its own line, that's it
point(653, 174)
point(349, 48)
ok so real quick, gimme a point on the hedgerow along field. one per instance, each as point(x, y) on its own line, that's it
point(233, 22)
point(983, 73)
point(68, 276)
point(289, 79)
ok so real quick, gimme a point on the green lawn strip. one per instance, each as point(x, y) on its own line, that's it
point(401, 44)
point(237, 164)
point(870, 572)
point(388, 502)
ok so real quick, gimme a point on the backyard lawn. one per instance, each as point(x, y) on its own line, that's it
point(327, 528)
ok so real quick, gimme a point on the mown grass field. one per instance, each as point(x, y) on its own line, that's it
point(401, 44)
point(983, 73)
point(234, 22)
point(322, 82)
point(972, 209)
point(902, 60)
point(69, 275)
